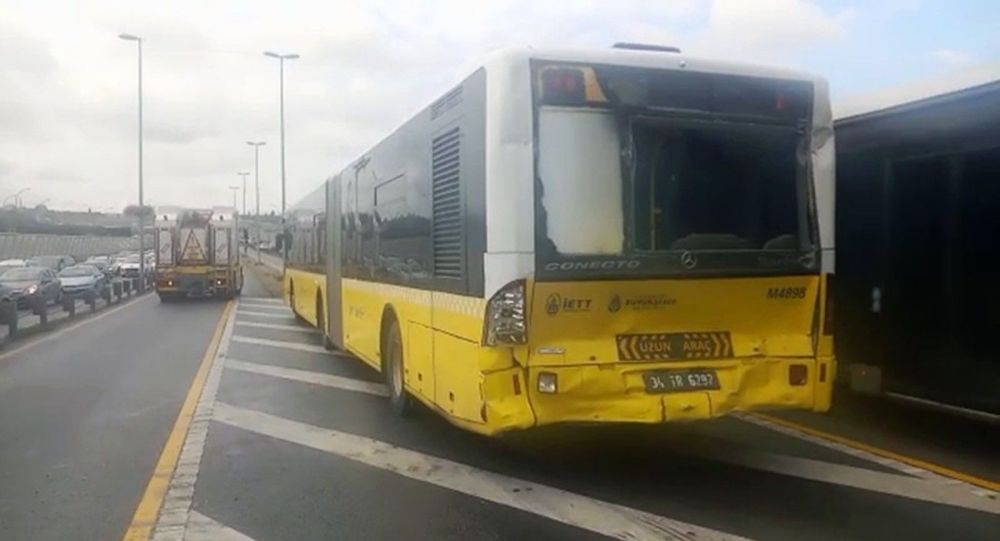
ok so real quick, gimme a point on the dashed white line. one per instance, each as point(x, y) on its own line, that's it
point(605, 518)
point(277, 327)
point(307, 376)
point(279, 344)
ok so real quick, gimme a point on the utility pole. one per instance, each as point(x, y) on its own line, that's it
point(234, 189)
point(142, 232)
point(256, 179)
point(281, 84)
point(244, 175)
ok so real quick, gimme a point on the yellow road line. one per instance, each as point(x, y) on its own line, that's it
point(149, 506)
point(916, 462)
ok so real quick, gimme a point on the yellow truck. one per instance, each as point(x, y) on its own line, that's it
point(197, 253)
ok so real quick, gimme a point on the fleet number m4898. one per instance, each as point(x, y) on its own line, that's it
point(786, 293)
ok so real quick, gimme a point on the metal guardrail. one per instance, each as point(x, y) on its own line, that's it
point(112, 293)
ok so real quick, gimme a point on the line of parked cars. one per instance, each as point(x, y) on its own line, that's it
point(45, 280)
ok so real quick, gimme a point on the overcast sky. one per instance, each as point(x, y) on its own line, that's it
point(68, 84)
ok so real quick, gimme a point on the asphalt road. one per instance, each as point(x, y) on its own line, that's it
point(84, 415)
point(289, 441)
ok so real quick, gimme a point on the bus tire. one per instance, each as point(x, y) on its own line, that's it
point(393, 371)
point(291, 301)
point(321, 323)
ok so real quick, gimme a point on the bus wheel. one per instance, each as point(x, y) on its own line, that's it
point(321, 323)
point(393, 371)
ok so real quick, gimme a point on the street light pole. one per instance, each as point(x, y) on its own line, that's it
point(234, 189)
point(256, 179)
point(244, 174)
point(142, 233)
point(281, 85)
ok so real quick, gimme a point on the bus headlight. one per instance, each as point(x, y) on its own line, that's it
point(505, 316)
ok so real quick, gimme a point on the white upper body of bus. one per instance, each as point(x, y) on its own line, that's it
point(577, 150)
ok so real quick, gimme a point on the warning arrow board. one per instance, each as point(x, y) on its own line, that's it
point(193, 250)
point(674, 346)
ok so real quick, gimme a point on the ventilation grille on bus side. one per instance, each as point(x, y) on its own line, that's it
point(446, 102)
point(447, 205)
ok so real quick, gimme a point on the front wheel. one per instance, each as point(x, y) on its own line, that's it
point(393, 369)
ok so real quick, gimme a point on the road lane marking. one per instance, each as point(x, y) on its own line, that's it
point(850, 476)
point(175, 511)
point(279, 344)
point(306, 376)
point(203, 528)
point(267, 300)
point(287, 315)
point(605, 518)
point(278, 327)
point(923, 469)
point(146, 513)
point(91, 319)
point(271, 307)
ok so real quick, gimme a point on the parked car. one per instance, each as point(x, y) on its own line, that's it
point(30, 284)
point(130, 267)
point(102, 262)
point(8, 264)
point(79, 279)
point(54, 262)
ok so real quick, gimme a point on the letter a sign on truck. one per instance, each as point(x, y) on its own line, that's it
point(193, 250)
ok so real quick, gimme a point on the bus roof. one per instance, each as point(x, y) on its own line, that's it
point(644, 59)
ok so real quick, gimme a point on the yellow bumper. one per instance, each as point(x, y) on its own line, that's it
point(616, 393)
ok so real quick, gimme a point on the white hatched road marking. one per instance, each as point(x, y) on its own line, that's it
point(307, 376)
point(286, 315)
point(279, 344)
point(922, 489)
point(202, 528)
point(927, 476)
point(278, 327)
point(605, 518)
point(892, 484)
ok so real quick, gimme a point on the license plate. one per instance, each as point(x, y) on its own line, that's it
point(673, 381)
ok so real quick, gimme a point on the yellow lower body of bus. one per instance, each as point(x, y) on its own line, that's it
point(617, 393)
point(491, 390)
point(305, 293)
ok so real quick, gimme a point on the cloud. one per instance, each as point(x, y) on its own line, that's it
point(69, 95)
point(769, 30)
point(952, 57)
point(6, 168)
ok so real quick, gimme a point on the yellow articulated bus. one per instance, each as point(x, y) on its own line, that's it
point(609, 236)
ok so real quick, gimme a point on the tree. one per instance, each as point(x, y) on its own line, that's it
point(135, 211)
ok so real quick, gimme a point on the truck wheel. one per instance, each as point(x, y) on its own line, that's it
point(393, 370)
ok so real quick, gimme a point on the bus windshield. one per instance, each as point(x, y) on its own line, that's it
point(659, 189)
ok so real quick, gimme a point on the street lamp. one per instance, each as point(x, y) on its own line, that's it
point(281, 77)
point(16, 196)
point(244, 174)
point(142, 233)
point(256, 180)
point(234, 189)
